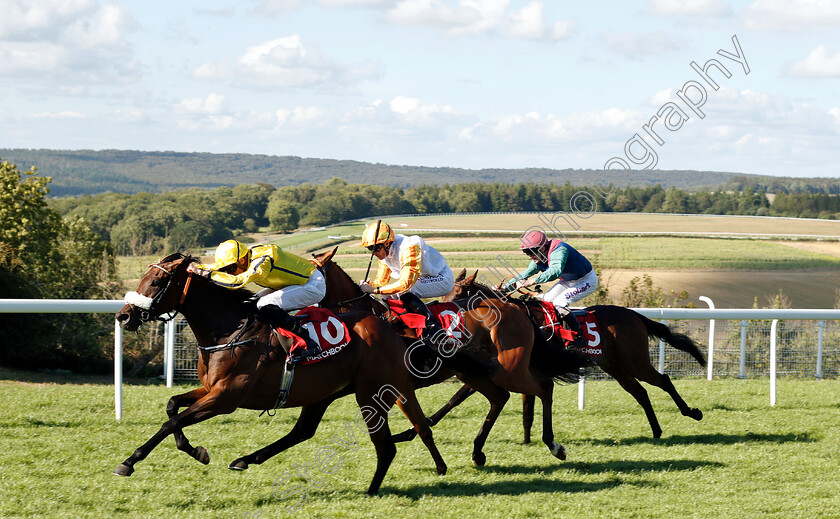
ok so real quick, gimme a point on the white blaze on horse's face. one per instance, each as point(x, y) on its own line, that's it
point(138, 300)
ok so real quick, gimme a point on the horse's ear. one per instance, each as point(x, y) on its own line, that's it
point(471, 279)
point(461, 275)
point(324, 257)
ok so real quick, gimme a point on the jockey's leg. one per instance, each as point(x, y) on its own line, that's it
point(560, 295)
point(273, 308)
point(429, 286)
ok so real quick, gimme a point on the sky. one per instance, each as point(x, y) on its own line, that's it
point(459, 83)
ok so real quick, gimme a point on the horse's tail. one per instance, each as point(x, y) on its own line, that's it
point(679, 341)
point(553, 360)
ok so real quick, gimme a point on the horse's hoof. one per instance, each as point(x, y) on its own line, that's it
point(696, 414)
point(202, 455)
point(479, 459)
point(657, 433)
point(238, 465)
point(124, 470)
point(441, 470)
point(559, 451)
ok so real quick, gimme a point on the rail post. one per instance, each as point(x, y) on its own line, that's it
point(711, 338)
point(742, 371)
point(117, 369)
point(773, 329)
point(820, 335)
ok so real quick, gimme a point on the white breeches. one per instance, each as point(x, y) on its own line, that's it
point(295, 297)
point(565, 292)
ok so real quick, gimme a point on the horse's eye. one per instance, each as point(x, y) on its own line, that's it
point(155, 283)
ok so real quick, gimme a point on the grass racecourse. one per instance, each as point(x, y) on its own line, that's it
point(60, 442)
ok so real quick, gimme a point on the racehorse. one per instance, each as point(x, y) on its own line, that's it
point(241, 364)
point(495, 328)
point(624, 345)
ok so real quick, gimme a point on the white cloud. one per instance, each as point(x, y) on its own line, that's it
point(704, 8)
point(820, 63)
point(213, 71)
point(74, 41)
point(476, 17)
point(413, 110)
point(213, 104)
point(792, 15)
point(61, 115)
point(576, 127)
point(285, 62)
point(635, 46)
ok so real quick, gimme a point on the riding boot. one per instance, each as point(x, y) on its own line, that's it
point(279, 318)
point(434, 333)
point(573, 325)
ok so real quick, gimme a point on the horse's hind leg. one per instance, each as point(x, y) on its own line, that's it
point(663, 382)
point(498, 397)
point(172, 408)
point(304, 429)
point(411, 408)
point(212, 404)
point(632, 386)
point(456, 400)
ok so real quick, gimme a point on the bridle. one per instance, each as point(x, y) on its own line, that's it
point(147, 304)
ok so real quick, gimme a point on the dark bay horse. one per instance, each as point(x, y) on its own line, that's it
point(241, 364)
point(624, 344)
point(499, 331)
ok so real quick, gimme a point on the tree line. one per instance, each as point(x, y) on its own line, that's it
point(149, 223)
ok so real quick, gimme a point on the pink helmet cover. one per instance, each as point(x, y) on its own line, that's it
point(533, 240)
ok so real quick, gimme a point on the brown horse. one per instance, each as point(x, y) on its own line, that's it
point(624, 344)
point(497, 330)
point(241, 363)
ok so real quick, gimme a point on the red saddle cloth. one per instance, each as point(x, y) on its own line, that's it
point(449, 315)
point(330, 333)
point(588, 326)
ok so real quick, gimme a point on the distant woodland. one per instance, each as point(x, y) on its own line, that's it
point(86, 172)
point(146, 223)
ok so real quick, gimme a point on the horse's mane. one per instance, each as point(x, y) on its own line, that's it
point(238, 296)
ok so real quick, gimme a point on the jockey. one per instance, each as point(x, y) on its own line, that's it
point(556, 259)
point(408, 269)
point(290, 283)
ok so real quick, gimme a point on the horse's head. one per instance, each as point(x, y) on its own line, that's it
point(158, 294)
point(340, 286)
point(466, 287)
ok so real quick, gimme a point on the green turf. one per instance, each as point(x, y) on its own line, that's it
point(745, 459)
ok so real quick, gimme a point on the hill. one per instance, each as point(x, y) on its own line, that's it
point(80, 172)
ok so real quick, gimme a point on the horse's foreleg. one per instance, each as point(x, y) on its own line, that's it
point(212, 404)
point(411, 409)
point(527, 416)
point(461, 395)
point(172, 408)
point(304, 429)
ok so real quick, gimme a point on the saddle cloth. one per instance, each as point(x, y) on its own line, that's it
point(324, 328)
point(588, 326)
point(449, 315)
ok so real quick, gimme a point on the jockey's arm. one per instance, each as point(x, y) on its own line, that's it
point(555, 266)
point(410, 262)
point(383, 274)
point(258, 269)
point(529, 271)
